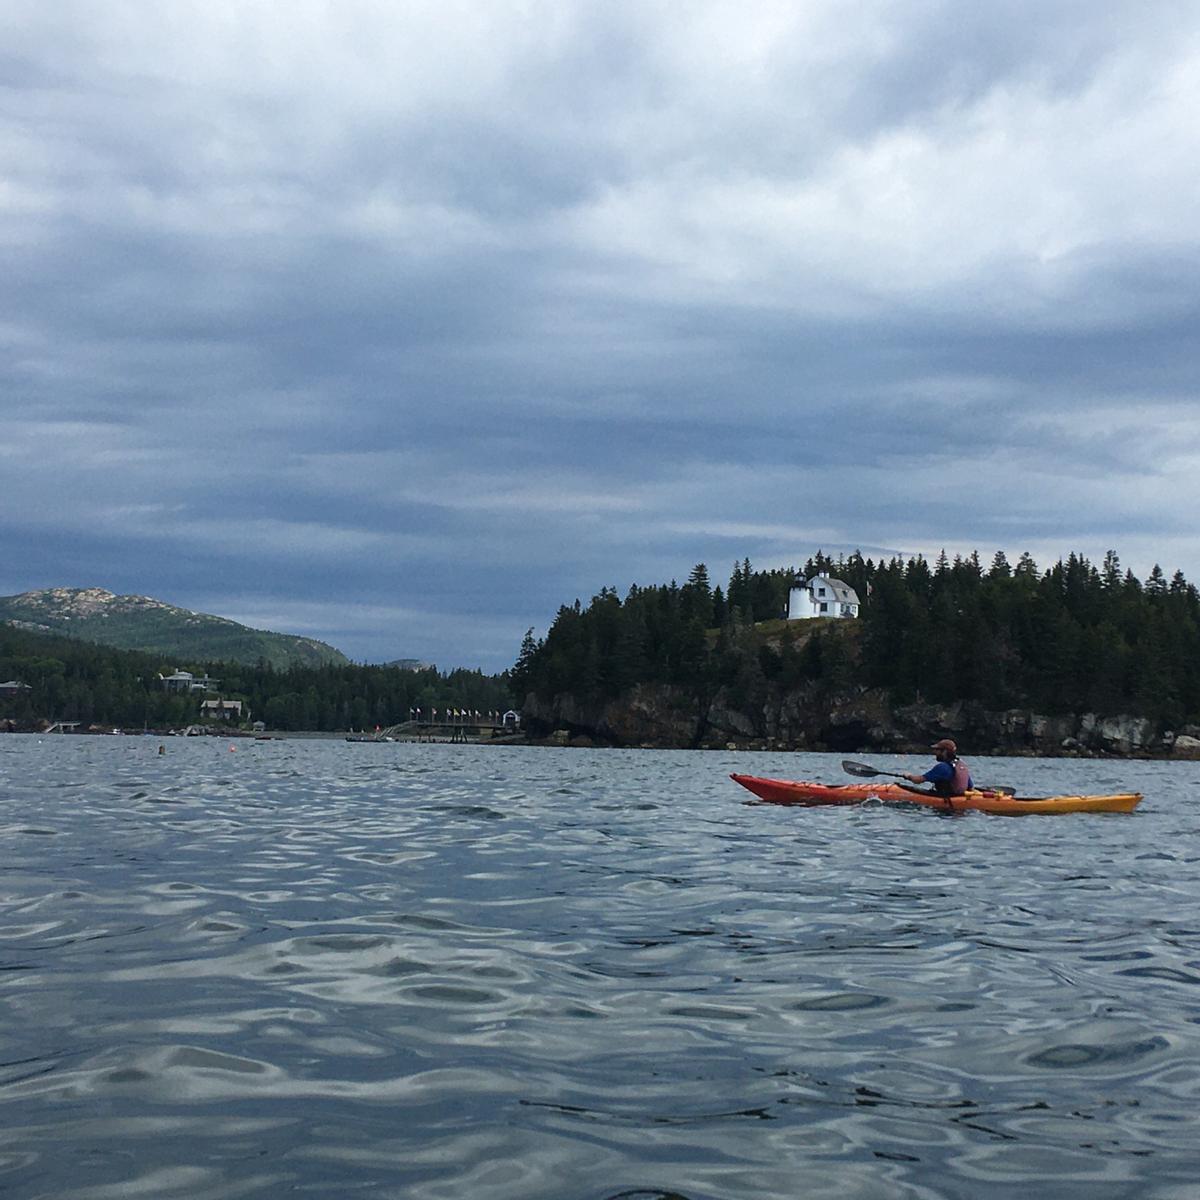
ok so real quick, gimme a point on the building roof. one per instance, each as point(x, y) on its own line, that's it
point(843, 593)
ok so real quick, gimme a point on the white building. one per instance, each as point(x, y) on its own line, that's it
point(822, 596)
point(185, 681)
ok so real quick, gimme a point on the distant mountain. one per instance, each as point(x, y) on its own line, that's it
point(142, 623)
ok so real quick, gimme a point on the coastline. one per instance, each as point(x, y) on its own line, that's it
point(588, 739)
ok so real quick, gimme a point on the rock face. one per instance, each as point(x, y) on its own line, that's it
point(860, 720)
point(1184, 745)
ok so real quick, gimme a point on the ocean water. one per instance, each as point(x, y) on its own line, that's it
point(304, 968)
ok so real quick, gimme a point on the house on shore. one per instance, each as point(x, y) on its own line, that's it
point(222, 710)
point(822, 596)
point(185, 681)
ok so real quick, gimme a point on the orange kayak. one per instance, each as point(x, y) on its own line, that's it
point(813, 795)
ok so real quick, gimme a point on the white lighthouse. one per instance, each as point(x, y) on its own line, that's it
point(822, 596)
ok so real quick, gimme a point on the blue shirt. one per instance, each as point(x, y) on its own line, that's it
point(943, 771)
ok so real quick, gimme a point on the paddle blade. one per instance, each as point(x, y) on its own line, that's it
point(860, 769)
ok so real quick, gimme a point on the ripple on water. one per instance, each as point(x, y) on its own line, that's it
point(839, 1002)
point(487, 971)
point(1074, 1055)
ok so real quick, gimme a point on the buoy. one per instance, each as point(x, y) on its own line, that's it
point(232, 749)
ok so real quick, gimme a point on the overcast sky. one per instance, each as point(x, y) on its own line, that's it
point(400, 324)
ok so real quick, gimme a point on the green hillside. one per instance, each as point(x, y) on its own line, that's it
point(1073, 641)
point(142, 623)
point(68, 679)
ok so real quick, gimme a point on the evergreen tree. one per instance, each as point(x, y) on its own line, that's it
point(719, 606)
point(1026, 568)
point(521, 674)
point(1110, 575)
point(696, 597)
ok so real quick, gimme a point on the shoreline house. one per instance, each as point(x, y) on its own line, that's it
point(14, 687)
point(185, 681)
point(822, 596)
point(223, 710)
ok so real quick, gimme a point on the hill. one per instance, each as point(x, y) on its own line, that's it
point(142, 623)
point(1012, 659)
point(69, 679)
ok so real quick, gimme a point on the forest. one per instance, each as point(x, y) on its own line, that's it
point(1073, 637)
point(74, 680)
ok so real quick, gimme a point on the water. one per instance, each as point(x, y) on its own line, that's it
point(314, 968)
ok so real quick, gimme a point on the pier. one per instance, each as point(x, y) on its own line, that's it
point(455, 729)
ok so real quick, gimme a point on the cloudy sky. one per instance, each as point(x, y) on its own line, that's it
point(399, 324)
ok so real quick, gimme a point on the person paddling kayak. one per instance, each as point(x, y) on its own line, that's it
point(950, 776)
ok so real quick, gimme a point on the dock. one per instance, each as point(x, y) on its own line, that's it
point(458, 729)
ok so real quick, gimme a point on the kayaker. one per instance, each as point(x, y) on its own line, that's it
point(950, 776)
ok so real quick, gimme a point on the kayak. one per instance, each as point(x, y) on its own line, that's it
point(815, 795)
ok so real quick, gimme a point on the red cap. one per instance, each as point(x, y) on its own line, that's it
point(945, 744)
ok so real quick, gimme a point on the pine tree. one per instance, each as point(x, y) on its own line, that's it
point(1110, 574)
point(719, 607)
point(696, 597)
point(521, 676)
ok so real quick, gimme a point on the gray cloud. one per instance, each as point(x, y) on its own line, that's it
point(401, 329)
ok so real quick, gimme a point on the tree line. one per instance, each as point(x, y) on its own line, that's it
point(74, 680)
point(1074, 637)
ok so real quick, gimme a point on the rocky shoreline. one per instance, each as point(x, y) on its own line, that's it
point(862, 721)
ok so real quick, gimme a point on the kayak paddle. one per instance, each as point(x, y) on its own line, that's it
point(865, 771)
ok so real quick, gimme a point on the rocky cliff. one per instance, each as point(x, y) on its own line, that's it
point(857, 721)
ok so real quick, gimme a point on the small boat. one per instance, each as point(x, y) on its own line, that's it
point(815, 795)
